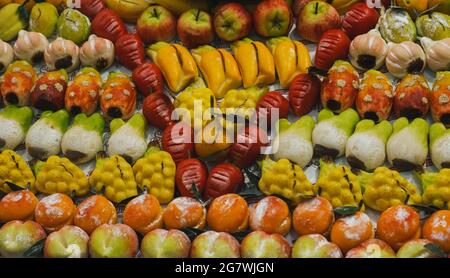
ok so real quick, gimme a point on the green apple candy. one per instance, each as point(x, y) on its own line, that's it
point(397, 26)
point(435, 26)
point(43, 18)
point(73, 25)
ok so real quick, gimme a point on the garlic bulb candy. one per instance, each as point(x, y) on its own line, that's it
point(405, 57)
point(30, 46)
point(6, 55)
point(438, 53)
point(97, 52)
point(368, 51)
point(62, 54)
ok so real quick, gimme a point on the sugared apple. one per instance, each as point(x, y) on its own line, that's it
point(316, 18)
point(68, 242)
point(259, 244)
point(298, 6)
point(315, 246)
point(416, 249)
point(17, 236)
point(195, 28)
point(113, 241)
point(212, 244)
point(232, 21)
point(162, 243)
point(372, 248)
point(272, 18)
point(155, 24)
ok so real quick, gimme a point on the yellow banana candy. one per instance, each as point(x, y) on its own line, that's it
point(414, 7)
point(128, 10)
point(59, 175)
point(342, 6)
point(115, 176)
point(14, 169)
point(291, 58)
point(156, 172)
point(12, 20)
point(339, 185)
point(385, 188)
point(28, 5)
point(176, 63)
point(180, 6)
point(219, 68)
point(286, 179)
point(255, 62)
point(436, 188)
point(5, 2)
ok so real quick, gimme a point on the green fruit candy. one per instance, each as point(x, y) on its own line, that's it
point(73, 25)
point(435, 26)
point(12, 20)
point(397, 26)
point(43, 18)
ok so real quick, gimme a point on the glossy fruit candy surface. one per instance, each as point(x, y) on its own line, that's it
point(107, 24)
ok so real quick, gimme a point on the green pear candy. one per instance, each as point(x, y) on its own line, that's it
point(14, 122)
point(396, 25)
point(293, 141)
point(12, 20)
point(73, 25)
point(83, 140)
point(408, 145)
point(366, 147)
point(440, 145)
point(435, 26)
point(128, 138)
point(43, 18)
point(332, 132)
point(44, 136)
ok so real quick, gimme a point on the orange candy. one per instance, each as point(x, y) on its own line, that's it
point(228, 213)
point(143, 214)
point(437, 229)
point(352, 230)
point(93, 212)
point(55, 211)
point(397, 225)
point(314, 216)
point(184, 212)
point(18, 205)
point(270, 215)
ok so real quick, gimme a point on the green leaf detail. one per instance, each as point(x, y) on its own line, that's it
point(36, 250)
point(346, 210)
point(436, 250)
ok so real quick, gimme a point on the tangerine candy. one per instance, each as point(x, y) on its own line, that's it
point(18, 205)
point(314, 216)
point(270, 215)
point(228, 213)
point(143, 214)
point(397, 225)
point(184, 212)
point(352, 230)
point(55, 211)
point(437, 229)
point(93, 212)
